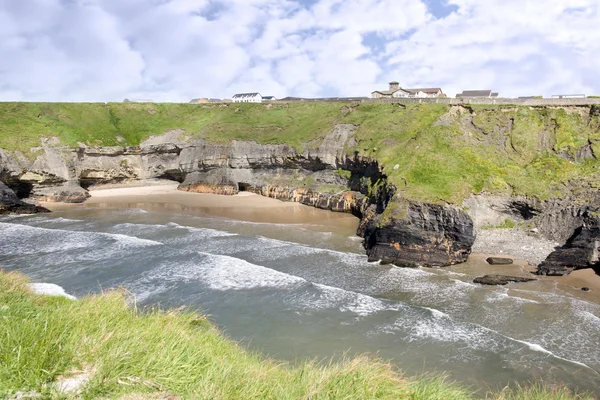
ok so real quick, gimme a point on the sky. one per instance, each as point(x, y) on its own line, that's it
point(176, 50)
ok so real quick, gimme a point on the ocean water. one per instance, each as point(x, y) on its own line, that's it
point(297, 292)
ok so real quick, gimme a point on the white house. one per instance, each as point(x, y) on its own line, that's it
point(247, 98)
point(395, 91)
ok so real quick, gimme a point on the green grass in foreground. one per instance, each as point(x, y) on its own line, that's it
point(162, 353)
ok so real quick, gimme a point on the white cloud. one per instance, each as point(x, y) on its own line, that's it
point(519, 47)
point(173, 50)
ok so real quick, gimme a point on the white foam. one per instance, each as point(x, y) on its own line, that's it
point(24, 239)
point(49, 289)
point(346, 300)
point(538, 348)
point(231, 273)
point(437, 313)
point(130, 240)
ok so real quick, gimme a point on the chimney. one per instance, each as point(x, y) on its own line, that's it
point(394, 86)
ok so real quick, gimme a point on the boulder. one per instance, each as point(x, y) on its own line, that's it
point(216, 181)
point(499, 261)
point(68, 192)
point(500, 279)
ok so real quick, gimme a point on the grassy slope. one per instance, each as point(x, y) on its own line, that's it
point(496, 148)
point(175, 353)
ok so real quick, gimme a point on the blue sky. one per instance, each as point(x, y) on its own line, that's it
point(175, 50)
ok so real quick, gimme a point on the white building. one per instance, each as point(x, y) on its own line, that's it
point(247, 98)
point(395, 91)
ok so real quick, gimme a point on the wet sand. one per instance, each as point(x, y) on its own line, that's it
point(572, 284)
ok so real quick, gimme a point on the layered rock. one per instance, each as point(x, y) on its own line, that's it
point(413, 234)
point(11, 204)
point(582, 250)
point(322, 175)
point(500, 279)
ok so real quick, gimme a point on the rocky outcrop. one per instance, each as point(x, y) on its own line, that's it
point(321, 175)
point(411, 234)
point(500, 279)
point(581, 250)
point(67, 192)
point(11, 204)
point(350, 202)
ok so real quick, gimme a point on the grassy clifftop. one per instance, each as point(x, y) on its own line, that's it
point(429, 151)
point(115, 352)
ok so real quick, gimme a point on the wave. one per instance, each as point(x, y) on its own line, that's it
point(442, 327)
point(19, 239)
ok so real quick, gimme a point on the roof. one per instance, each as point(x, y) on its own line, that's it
point(268, 97)
point(390, 91)
point(394, 82)
point(424, 90)
point(476, 93)
point(242, 95)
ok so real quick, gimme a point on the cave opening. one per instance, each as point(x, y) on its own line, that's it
point(243, 186)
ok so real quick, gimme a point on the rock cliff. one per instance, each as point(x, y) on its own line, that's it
point(421, 177)
point(322, 175)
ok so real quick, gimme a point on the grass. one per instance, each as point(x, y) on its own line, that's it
point(128, 124)
point(163, 353)
point(430, 152)
point(506, 224)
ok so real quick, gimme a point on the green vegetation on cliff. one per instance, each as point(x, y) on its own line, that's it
point(430, 152)
point(156, 354)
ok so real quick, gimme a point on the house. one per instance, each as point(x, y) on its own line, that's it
point(247, 98)
point(425, 93)
point(269, 98)
point(395, 91)
point(477, 93)
point(568, 96)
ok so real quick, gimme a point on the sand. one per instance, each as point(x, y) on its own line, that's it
point(244, 206)
point(572, 284)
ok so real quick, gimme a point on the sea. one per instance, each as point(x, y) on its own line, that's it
point(305, 291)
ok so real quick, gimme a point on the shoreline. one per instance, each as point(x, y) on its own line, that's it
point(527, 250)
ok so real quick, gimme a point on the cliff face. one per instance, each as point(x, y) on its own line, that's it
point(322, 176)
point(418, 175)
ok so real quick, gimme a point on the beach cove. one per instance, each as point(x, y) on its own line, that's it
point(293, 282)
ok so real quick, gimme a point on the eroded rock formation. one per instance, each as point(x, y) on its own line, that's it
point(322, 175)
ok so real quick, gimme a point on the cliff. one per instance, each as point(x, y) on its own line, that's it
point(418, 175)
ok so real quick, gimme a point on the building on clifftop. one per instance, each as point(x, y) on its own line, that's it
point(395, 91)
point(247, 98)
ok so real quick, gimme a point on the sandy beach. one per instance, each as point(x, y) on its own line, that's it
point(244, 206)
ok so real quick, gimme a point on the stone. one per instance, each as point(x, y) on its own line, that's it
point(68, 192)
point(499, 261)
point(500, 279)
point(585, 289)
